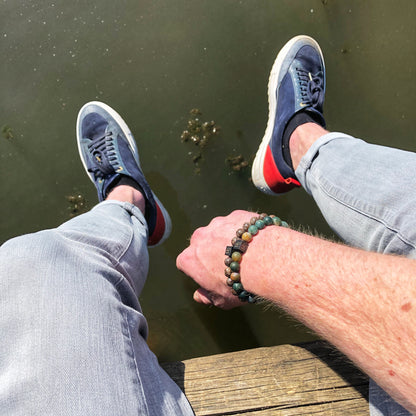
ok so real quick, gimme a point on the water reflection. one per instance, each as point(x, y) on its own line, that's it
point(153, 60)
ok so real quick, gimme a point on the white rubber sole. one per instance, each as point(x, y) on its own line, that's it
point(278, 71)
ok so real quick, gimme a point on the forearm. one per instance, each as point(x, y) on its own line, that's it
point(361, 302)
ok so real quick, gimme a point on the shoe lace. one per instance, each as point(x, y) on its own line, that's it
point(311, 88)
point(103, 154)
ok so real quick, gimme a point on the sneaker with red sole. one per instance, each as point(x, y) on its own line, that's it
point(108, 152)
point(296, 83)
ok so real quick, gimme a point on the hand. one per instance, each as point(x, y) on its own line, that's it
point(204, 259)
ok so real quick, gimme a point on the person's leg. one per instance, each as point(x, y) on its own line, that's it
point(73, 334)
point(361, 189)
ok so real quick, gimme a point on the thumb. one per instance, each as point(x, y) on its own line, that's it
point(201, 296)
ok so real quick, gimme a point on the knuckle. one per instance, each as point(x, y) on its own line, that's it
point(179, 260)
point(215, 221)
point(197, 234)
point(183, 259)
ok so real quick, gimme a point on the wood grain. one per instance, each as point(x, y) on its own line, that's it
point(304, 379)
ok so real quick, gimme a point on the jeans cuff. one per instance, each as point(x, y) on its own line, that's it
point(130, 208)
point(313, 152)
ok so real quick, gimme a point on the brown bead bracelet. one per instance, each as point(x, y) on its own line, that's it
point(239, 245)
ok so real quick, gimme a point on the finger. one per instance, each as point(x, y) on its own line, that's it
point(202, 296)
point(207, 298)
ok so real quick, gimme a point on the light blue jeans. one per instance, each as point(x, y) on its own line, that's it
point(367, 194)
point(73, 336)
point(72, 331)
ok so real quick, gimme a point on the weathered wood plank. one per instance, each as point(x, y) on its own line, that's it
point(305, 379)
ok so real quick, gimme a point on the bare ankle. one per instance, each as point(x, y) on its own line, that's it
point(302, 139)
point(126, 193)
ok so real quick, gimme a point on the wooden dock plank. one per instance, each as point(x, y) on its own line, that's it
point(305, 379)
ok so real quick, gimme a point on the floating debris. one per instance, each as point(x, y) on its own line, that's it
point(199, 133)
point(197, 158)
point(7, 132)
point(195, 112)
point(237, 163)
point(77, 204)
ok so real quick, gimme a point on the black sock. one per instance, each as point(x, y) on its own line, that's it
point(298, 119)
point(126, 180)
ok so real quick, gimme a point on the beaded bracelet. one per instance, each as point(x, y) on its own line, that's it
point(239, 245)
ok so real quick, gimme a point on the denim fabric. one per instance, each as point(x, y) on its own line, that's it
point(73, 333)
point(367, 194)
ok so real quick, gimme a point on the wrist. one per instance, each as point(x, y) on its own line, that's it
point(257, 265)
point(273, 263)
point(253, 241)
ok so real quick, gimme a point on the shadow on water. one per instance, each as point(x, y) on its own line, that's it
point(153, 61)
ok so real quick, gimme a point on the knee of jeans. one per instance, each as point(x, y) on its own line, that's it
point(47, 264)
point(38, 259)
point(29, 246)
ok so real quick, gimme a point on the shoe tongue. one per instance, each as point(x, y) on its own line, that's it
point(308, 57)
point(94, 126)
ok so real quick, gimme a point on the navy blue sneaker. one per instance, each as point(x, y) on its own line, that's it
point(296, 83)
point(108, 152)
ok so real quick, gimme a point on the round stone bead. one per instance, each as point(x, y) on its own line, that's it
point(260, 224)
point(267, 220)
point(253, 220)
point(235, 277)
point(243, 295)
point(228, 272)
point(239, 232)
point(228, 261)
point(285, 224)
point(236, 256)
point(247, 237)
point(251, 299)
point(277, 221)
point(253, 230)
point(234, 266)
point(234, 240)
point(245, 226)
point(230, 282)
point(238, 287)
point(263, 215)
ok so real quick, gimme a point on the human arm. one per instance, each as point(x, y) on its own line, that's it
point(361, 302)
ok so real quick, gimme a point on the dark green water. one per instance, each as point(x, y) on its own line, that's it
point(153, 61)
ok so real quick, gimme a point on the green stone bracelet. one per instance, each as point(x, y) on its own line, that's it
point(239, 245)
